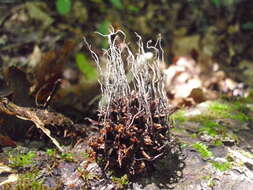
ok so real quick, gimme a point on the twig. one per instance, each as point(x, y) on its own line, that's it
point(37, 116)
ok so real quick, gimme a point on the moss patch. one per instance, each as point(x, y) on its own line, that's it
point(221, 166)
point(30, 181)
point(21, 159)
point(214, 110)
point(211, 128)
point(203, 150)
point(179, 116)
point(227, 110)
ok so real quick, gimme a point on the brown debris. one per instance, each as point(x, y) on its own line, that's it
point(40, 117)
point(50, 69)
point(189, 82)
point(130, 148)
point(19, 85)
point(6, 141)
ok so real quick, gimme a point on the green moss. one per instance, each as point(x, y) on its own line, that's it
point(227, 110)
point(67, 156)
point(179, 116)
point(210, 127)
point(194, 135)
point(178, 131)
point(53, 155)
point(51, 152)
point(214, 110)
point(221, 166)
point(21, 160)
point(121, 182)
point(86, 175)
point(217, 142)
point(29, 181)
point(240, 106)
point(207, 115)
point(203, 150)
point(199, 118)
point(217, 132)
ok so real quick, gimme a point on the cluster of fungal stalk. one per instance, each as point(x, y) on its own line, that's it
point(133, 112)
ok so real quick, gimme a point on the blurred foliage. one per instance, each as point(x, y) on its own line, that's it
point(217, 3)
point(218, 24)
point(225, 3)
point(36, 12)
point(117, 3)
point(247, 26)
point(103, 27)
point(215, 110)
point(85, 67)
point(63, 6)
point(150, 18)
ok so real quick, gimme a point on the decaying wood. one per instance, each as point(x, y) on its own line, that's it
point(40, 117)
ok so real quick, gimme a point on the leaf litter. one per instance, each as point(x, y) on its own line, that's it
point(201, 87)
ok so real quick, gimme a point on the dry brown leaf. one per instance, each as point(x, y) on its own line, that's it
point(189, 82)
point(39, 117)
point(49, 69)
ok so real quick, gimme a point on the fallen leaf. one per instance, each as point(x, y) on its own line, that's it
point(11, 178)
point(39, 117)
point(50, 69)
point(4, 168)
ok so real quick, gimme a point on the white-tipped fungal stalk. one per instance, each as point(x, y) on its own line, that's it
point(147, 80)
point(133, 113)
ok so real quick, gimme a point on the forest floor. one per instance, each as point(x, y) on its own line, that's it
point(212, 124)
point(215, 136)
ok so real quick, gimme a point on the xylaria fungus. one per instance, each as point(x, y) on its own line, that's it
point(133, 112)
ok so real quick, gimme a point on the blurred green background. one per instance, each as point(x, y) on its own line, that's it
point(217, 29)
